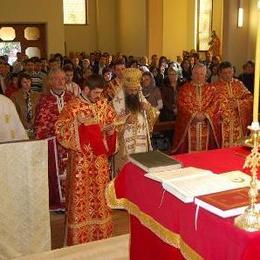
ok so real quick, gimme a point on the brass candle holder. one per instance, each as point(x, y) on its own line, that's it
point(250, 219)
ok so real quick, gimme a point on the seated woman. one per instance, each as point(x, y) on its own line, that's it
point(169, 96)
point(150, 91)
point(26, 101)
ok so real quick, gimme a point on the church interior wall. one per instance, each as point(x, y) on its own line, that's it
point(154, 27)
point(178, 27)
point(138, 27)
point(235, 39)
point(83, 37)
point(107, 25)
point(40, 11)
point(132, 25)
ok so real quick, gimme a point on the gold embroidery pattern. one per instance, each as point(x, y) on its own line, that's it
point(236, 112)
point(91, 222)
point(88, 216)
point(7, 118)
point(12, 132)
point(163, 233)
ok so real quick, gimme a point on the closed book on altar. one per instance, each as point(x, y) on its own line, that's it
point(186, 189)
point(226, 203)
point(154, 161)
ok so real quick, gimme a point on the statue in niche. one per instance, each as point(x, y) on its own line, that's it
point(214, 44)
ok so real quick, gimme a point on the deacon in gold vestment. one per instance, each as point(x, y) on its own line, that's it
point(197, 125)
point(85, 128)
point(236, 106)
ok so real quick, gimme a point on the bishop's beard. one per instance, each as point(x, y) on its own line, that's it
point(132, 103)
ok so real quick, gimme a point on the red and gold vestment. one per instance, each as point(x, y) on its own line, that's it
point(47, 113)
point(236, 104)
point(88, 216)
point(191, 135)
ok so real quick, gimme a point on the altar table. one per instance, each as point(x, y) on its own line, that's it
point(163, 227)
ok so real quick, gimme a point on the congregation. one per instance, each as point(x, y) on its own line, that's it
point(96, 109)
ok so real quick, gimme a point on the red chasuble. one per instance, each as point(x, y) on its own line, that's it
point(236, 111)
point(189, 134)
point(88, 216)
point(47, 113)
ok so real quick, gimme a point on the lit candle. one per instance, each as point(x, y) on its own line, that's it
point(257, 67)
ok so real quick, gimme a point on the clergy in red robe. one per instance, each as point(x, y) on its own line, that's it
point(86, 128)
point(236, 106)
point(197, 125)
point(47, 112)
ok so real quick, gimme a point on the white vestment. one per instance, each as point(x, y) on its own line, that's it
point(134, 135)
point(11, 127)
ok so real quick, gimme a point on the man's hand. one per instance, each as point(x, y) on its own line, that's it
point(145, 106)
point(109, 129)
point(81, 118)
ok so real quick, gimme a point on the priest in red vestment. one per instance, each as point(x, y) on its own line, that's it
point(236, 106)
point(47, 112)
point(197, 125)
point(86, 128)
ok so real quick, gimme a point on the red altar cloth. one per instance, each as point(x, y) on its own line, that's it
point(173, 221)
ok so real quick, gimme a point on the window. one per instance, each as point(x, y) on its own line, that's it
point(32, 33)
point(7, 33)
point(10, 49)
point(204, 24)
point(33, 52)
point(74, 11)
point(25, 38)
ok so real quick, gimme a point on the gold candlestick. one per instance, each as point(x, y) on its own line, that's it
point(250, 219)
point(257, 67)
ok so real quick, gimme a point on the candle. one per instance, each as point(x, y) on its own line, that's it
point(257, 67)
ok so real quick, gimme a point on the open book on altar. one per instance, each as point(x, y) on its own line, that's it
point(186, 172)
point(154, 161)
point(189, 187)
point(226, 203)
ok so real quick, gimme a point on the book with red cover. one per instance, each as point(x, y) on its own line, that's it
point(226, 203)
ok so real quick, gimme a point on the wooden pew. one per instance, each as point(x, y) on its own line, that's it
point(163, 126)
